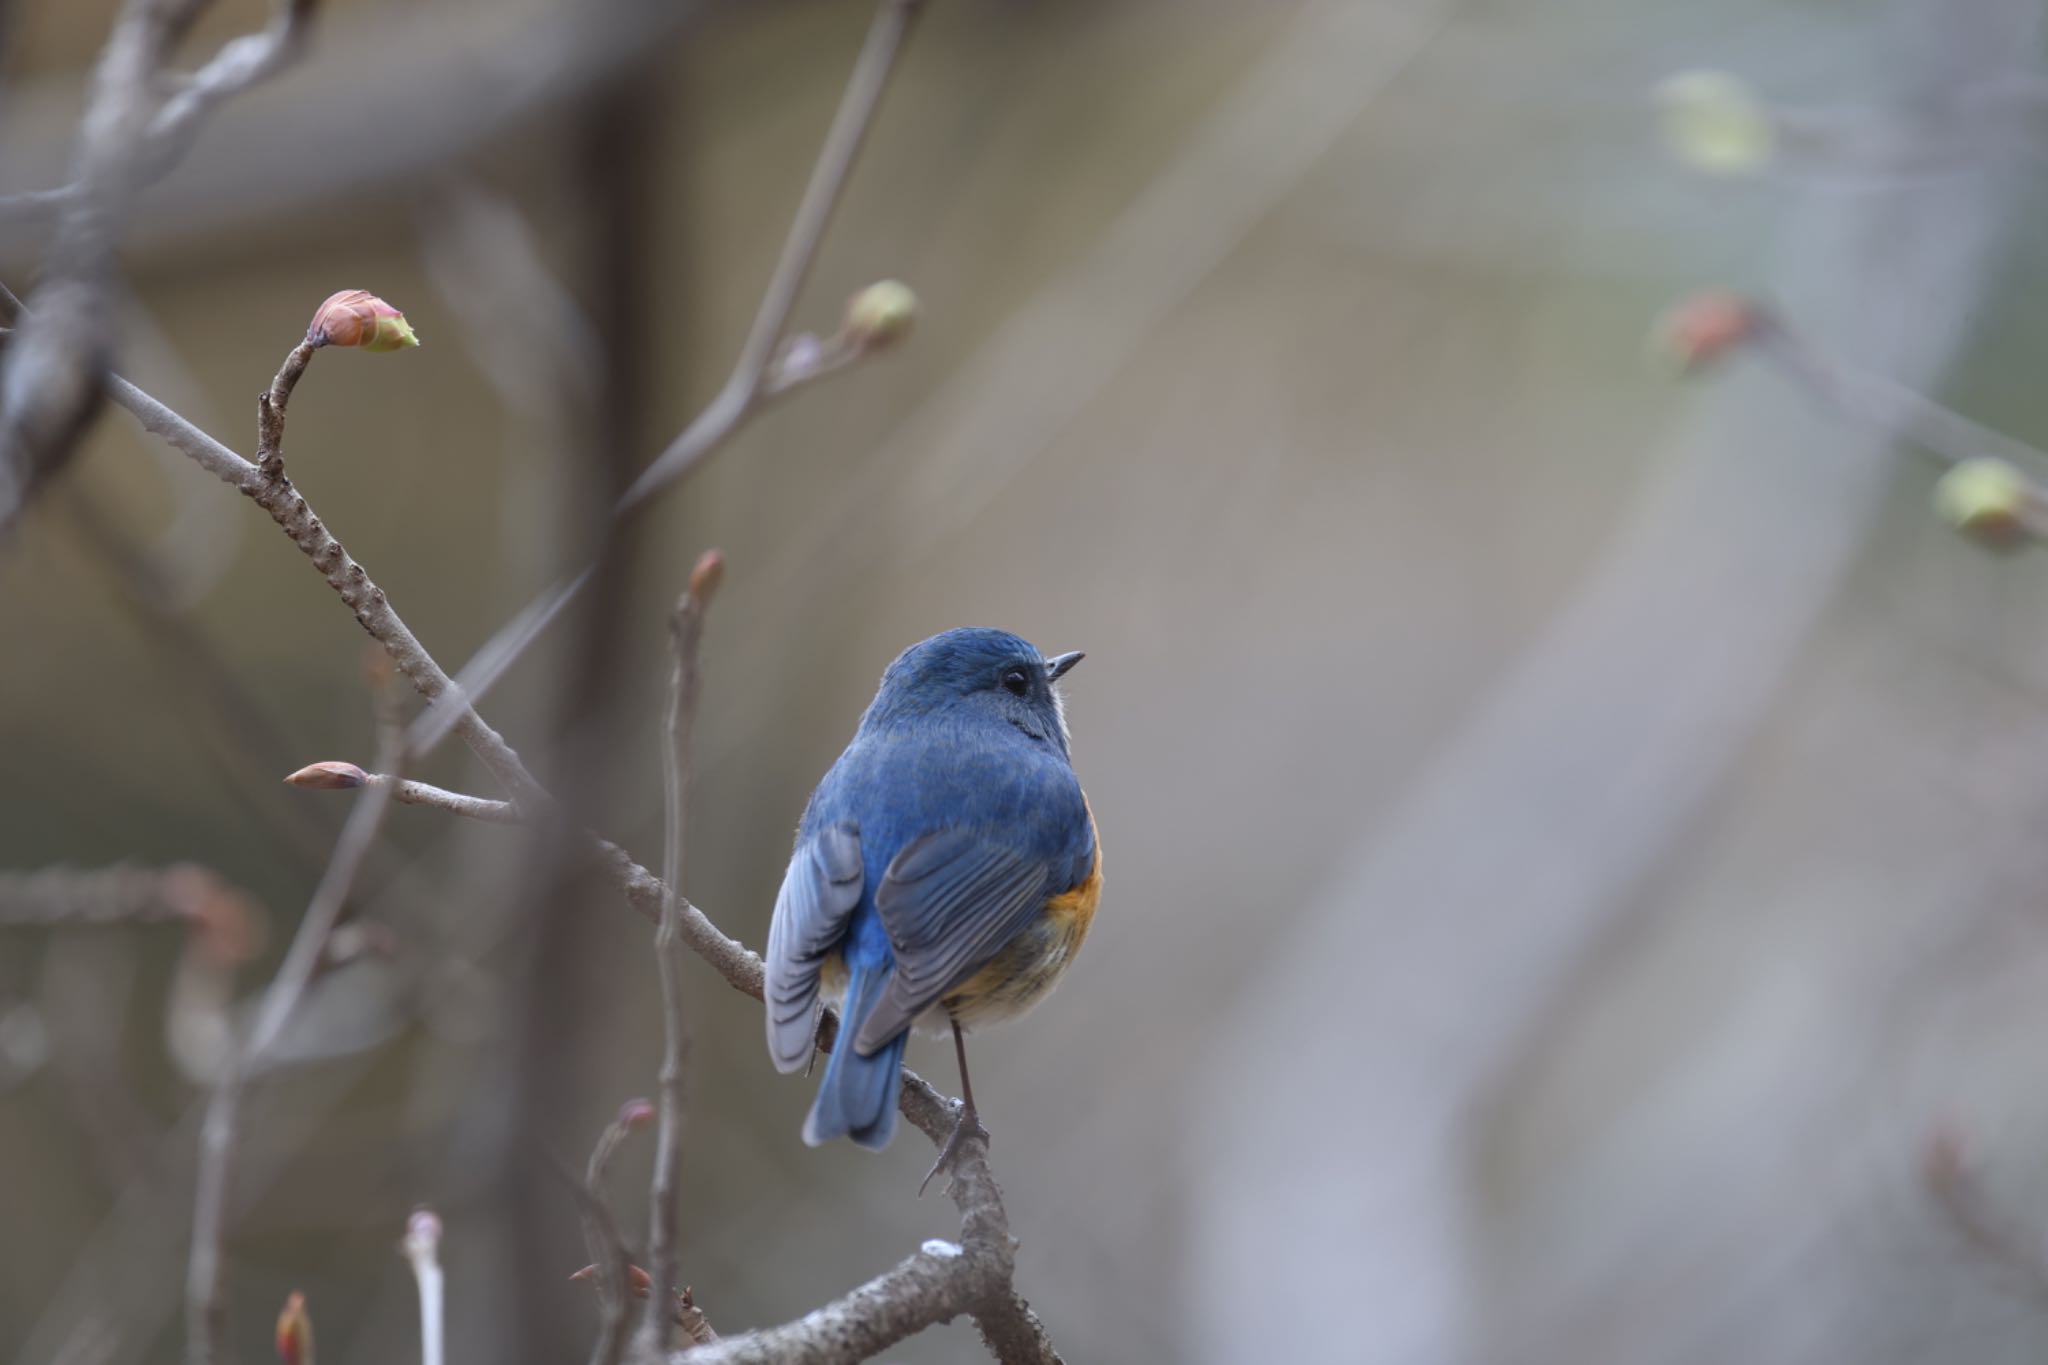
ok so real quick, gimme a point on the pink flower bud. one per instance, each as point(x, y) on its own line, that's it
point(636, 1113)
point(358, 318)
point(705, 578)
point(1700, 330)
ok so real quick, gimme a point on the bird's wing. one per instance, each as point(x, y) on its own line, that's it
point(950, 900)
point(819, 894)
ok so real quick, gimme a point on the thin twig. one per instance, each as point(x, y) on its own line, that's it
point(735, 401)
point(756, 376)
point(206, 1306)
point(288, 508)
point(422, 1247)
point(331, 776)
point(609, 1265)
point(686, 633)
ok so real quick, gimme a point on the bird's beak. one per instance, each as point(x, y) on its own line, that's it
point(1056, 667)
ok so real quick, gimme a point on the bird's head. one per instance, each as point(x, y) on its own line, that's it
point(979, 673)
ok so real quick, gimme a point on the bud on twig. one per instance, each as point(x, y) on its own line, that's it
point(1695, 332)
point(1986, 499)
point(638, 1281)
point(227, 927)
point(635, 1114)
point(358, 318)
point(295, 1331)
point(880, 315)
point(328, 777)
point(1713, 122)
point(422, 1246)
point(706, 576)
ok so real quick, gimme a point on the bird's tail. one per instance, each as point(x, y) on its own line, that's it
point(857, 1098)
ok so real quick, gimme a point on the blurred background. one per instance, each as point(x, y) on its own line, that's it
point(1573, 871)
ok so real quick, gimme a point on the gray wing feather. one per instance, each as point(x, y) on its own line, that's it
point(950, 901)
point(819, 893)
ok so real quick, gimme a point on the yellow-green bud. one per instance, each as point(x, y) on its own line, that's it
point(1986, 499)
point(1713, 122)
point(880, 315)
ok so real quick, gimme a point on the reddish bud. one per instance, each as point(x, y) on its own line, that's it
point(880, 315)
point(705, 578)
point(328, 777)
point(358, 318)
point(1696, 332)
point(637, 1280)
point(635, 1114)
point(227, 928)
point(295, 1332)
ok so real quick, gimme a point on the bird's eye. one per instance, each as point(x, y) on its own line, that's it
point(1017, 682)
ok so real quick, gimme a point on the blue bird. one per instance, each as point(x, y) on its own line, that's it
point(945, 874)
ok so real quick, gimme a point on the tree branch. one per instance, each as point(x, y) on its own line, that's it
point(686, 633)
point(206, 1306)
point(758, 375)
point(924, 1289)
point(51, 389)
point(274, 493)
point(242, 63)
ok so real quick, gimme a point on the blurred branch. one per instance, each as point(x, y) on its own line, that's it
point(609, 1265)
point(422, 1247)
point(206, 1305)
point(67, 897)
point(736, 401)
point(1953, 1183)
point(397, 93)
point(239, 65)
point(50, 391)
point(755, 378)
point(686, 632)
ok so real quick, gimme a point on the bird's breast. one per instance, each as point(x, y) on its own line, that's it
point(1026, 969)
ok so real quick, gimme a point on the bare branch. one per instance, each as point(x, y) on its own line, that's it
point(347, 776)
point(205, 1304)
point(422, 1247)
point(277, 496)
point(761, 372)
point(735, 402)
point(51, 389)
point(686, 631)
point(68, 897)
point(609, 1265)
point(242, 63)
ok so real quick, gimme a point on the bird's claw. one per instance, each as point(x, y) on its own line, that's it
point(967, 1128)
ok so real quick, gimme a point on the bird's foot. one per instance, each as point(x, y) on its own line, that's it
point(967, 1128)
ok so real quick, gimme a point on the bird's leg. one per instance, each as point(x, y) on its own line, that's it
point(969, 1124)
